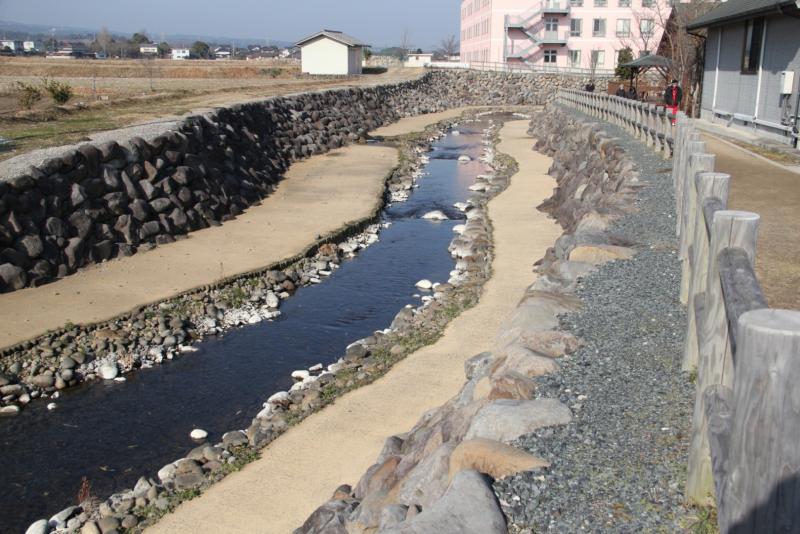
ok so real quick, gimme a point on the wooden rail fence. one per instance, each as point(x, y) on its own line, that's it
point(745, 442)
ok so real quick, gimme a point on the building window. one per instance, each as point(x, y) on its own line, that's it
point(751, 55)
point(550, 56)
point(576, 3)
point(646, 27)
point(551, 24)
point(600, 3)
point(574, 58)
point(575, 28)
point(624, 3)
point(623, 27)
point(648, 3)
point(599, 28)
point(598, 58)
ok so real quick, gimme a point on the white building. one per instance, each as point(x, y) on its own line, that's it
point(181, 53)
point(148, 50)
point(15, 46)
point(222, 53)
point(331, 53)
point(419, 60)
point(32, 46)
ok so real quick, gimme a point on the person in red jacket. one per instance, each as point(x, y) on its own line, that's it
point(672, 97)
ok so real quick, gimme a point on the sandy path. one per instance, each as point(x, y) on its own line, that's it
point(772, 191)
point(419, 122)
point(300, 470)
point(318, 196)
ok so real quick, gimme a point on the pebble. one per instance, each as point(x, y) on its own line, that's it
point(52, 406)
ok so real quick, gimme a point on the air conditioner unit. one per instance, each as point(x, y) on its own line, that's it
point(786, 81)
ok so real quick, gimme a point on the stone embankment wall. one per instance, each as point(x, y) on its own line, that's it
point(96, 202)
point(438, 476)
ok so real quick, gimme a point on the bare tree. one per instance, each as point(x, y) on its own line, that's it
point(405, 44)
point(449, 46)
point(149, 65)
point(642, 36)
point(104, 39)
point(685, 50)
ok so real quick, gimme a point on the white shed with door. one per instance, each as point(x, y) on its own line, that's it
point(331, 53)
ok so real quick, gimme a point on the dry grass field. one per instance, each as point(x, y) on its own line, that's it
point(111, 94)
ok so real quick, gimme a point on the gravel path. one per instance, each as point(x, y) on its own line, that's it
point(620, 465)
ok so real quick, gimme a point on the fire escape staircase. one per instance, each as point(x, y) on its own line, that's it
point(531, 24)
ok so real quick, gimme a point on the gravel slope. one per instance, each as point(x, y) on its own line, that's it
point(620, 465)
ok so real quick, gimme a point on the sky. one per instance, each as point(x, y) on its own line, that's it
point(377, 22)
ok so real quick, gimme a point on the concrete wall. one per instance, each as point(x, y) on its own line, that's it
point(753, 97)
point(324, 56)
point(418, 60)
point(94, 202)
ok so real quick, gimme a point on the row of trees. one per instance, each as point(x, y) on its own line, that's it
point(115, 46)
point(448, 47)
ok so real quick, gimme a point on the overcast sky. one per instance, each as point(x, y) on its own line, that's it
point(378, 22)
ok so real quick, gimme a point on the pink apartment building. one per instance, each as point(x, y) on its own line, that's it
point(560, 33)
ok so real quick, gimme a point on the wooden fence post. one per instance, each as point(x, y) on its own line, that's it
point(761, 490)
point(708, 185)
point(698, 162)
point(683, 162)
point(729, 229)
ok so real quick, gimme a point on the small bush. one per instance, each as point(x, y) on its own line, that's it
point(60, 92)
point(27, 94)
point(273, 72)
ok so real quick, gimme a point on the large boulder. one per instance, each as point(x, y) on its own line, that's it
point(518, 359)
point(507, 420)
point(330, 518)
point(600, 254)
point(12, 277)
point(468, 507)
point(492, 458)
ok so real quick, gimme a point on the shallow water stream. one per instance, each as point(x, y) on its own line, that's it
point(113, 433)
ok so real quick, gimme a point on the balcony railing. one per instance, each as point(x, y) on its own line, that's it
point(559, 7)
point(522, 68)
point(553, 37)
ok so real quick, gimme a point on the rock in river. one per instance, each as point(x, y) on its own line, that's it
point(424, 284)
point(108, 371)
point(435, 215)
point(198, 434)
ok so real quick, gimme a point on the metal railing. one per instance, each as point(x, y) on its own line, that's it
point(745, 356)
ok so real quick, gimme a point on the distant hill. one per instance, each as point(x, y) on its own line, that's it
point(18, 30)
